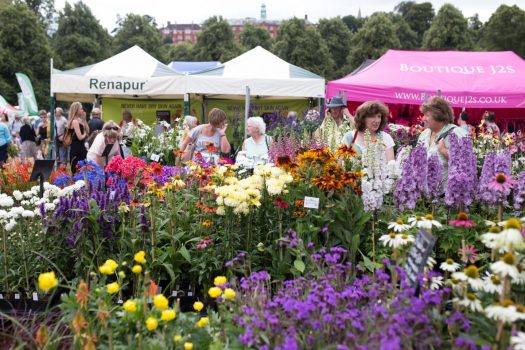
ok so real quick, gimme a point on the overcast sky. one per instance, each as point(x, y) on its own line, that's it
point(196, 11)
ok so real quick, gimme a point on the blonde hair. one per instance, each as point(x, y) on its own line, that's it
point(110, 133)
point(74, 111)
point(216, 117)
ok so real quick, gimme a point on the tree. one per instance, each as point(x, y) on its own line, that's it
point(216, 41)
point(407, 37)
point(338, 39)
point(139, 30)
point(377, 35)
point(44, 9)
point(24, 47)
point(448, 31)
point(353, 23)
point(303, 46)
point(403, 7)
point(179, 52)
point(505, 30)
point(80, 40)
point(418, 16)
point(253, 36)
point(475, 27)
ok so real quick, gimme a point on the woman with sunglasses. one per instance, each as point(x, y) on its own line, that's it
point(110, 135)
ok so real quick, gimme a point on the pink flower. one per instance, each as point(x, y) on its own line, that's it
point(468, 254)
point(502, 183)
point(462, 220)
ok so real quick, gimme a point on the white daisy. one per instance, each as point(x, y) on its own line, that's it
point(518, 341)
point(490, 240)
point(469, 275)
point(507, 314)
point(491, 284)
point(6, 201)
point(10, 225)
point(471, 302)
point(28, 214)
point(511, 238)
point(449, 265)
point(390, 240)
point(506, 266)
point(404, 239)
point(398, 226)
point(436, 282)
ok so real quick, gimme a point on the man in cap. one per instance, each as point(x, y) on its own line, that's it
point(95, 123)
point(336, 123)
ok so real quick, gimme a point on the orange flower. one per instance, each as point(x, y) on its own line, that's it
point(152, 289)
point(299, 213)
point(211, 148)
point(207, 223)
point(327, 183)
point(345, 151)
point(102, 313)
point(79, 323)
point(42, 336)
point(284, 161)
point(82, 294)
point(299, 202)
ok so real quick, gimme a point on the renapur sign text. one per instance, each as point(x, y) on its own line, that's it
point(116, 85)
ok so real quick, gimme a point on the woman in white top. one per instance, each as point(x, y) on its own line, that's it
point(110, 135)
point(255, 148)
point(371, 116)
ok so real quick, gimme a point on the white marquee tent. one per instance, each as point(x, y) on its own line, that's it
point(131, 73)
point(267, 76)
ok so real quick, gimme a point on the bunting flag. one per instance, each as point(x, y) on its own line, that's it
point(30, 104)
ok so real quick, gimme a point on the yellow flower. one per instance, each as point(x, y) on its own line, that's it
point(152, 324)
point(220, 281)
point(203, 322)
point(109, 267)
point(229, 293)
point(140, 257)
point(214, 292)
point(121, 274)
point(188, 346)
point(130, 306)
point(113, 288)
point(198, 306)
point(160, 301)
point(168, 315)
point(177, 338)
point(47, 281)
point(136, 269)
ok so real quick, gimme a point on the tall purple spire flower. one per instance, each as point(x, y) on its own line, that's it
point(411, 186)
point(494, 163)
point(462, 172)
point(519, 193)
point(434, 178)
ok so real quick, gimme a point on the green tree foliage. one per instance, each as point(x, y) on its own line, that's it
point(475, 27)
point(80, 40)
point(216, 41)
point(253, 36)
point(418, 16)
point(377, 35)
point(338, 38)
point(505, 30)
point(44, 9)
point(448, 31)
point(139, 30)
point(407, 37)
point(24, 47)
point(353, 23)
point(179, 52)
point(303, 46)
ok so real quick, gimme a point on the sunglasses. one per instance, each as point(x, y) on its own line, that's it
point(116, 128)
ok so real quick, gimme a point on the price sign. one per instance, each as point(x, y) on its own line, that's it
point(311, 202)
point(418, 255)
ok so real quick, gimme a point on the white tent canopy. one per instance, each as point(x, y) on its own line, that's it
point(267, 75)
point(131, 73)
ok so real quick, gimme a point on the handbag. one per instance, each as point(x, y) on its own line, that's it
point(190, 149)
point(68, 137)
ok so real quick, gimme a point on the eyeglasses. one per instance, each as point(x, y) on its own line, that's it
point(116, 128)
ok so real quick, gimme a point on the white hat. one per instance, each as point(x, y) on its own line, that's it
point(96, 111)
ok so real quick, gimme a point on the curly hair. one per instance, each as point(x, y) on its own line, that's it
point(439, 108)
point(369, 109)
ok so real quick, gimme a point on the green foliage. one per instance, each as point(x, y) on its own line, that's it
point(24, 47)
point(337, 37)
point(377, 35)
point(303, 46)
point(505, 30)
point(216, 41)
point(139, 30)
point(449, 31)
point(44, 9)
point(407, 37)
point(80, 40)
point(253, 36)
point(179, 52)
point(475, 27)
point(353, 23)
point(418, 16)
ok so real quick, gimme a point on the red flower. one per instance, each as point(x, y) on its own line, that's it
point(280, 204)
point(211, 148)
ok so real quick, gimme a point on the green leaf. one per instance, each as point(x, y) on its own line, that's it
point(185, 253)
point(299, 265)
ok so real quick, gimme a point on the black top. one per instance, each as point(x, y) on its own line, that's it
point(42, 132)
point(95, 124)
point(27, 133)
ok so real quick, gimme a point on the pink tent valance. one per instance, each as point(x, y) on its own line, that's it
point(465, 79)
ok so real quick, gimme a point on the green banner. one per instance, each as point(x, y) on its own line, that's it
point(146, 110)
point(29, 95)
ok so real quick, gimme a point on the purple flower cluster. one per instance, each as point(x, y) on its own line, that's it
point(284, 145)
point(290, 240)
point(71, 214)
point(411, 187)
point(333, 310)
point(494, 163)
point(519, 193)
point(434, 178)
point(462, 182)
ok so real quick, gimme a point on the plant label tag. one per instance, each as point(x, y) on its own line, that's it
point(160, 289)
point(1, 296)
point(17, 296)
point(112, 195)
point(155, 157)
point(174, 293)
point(177, 287)
point(311, 202)
point(35, 296)
point(190, 294)
point(120, 302)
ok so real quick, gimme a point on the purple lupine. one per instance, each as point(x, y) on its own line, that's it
point(143, 219)
point(494, 163)
point(411, 186)
point(519, 194)
point(434, 178)
point(462, 172)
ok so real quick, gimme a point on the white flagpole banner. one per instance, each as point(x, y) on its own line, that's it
point(29, 94)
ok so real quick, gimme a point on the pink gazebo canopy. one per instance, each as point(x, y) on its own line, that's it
point(466, 79)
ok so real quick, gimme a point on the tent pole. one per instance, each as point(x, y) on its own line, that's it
point(186, 104)
point(321, 107)
point(246, 109)
point(52, 113)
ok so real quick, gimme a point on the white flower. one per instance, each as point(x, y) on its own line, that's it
point(390, 240)
point(6, 201)
point(507, 314)
point(10, 225)
point(475, 283)
point(490, 240)
point(436, 282)
point(518, 341)
point(18, 195)
point(449, 265)
point(491, 284)
point(16, 211)
point(511, 239)
point(431, 262)
point(398, 226)
point(471, 302)
point(28, 214)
